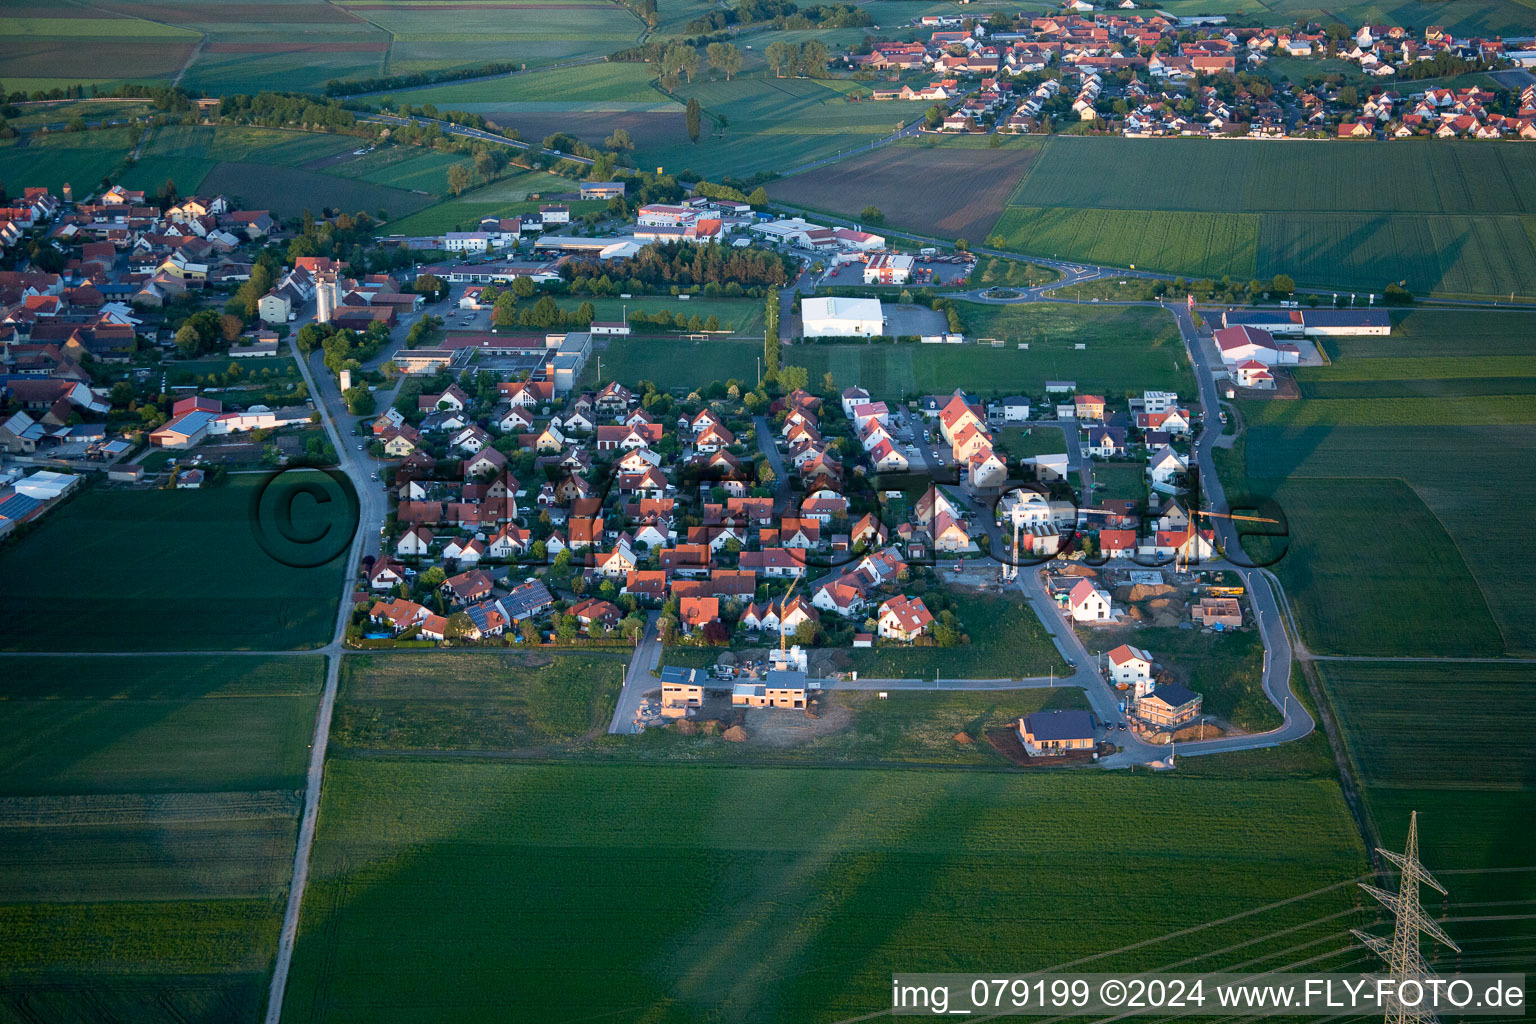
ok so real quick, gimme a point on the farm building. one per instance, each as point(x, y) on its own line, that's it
point(1244, 344)
point(841, 318)
point(1056, 733)
point(1312, 323)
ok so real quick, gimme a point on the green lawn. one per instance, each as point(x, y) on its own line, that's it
point(743, 317)
point(778, 894)
point(1126, 349)
point(147, 826)
point(1007, 641)
point(474, 700)
point(676, 364)
point(186, 572)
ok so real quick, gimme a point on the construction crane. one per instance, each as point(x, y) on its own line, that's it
point(1181, 555)
point(783, 603)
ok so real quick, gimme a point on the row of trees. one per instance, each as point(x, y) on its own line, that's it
point(685, 264)
point(808, 60)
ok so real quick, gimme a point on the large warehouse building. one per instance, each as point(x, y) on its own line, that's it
point(841, 318)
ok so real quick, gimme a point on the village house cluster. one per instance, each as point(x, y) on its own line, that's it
point(1147, 74)
point(622, 510)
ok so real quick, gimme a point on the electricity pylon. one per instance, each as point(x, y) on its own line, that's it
point(1401, 952)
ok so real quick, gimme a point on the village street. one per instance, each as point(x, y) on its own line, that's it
point(638, 678)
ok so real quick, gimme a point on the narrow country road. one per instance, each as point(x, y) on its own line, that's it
point(762, 427)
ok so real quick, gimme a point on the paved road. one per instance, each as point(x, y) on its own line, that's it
point(373, 506)
point(762, 426)
point(449, 128)
point(638, 678)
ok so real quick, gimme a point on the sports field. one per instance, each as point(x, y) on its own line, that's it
point(775, 894)
point(1126, 349)
point(1453, 218)
point(676, 364)
point(1441, 456)
point(187, 575)
point(890, 177)
point(147, 821)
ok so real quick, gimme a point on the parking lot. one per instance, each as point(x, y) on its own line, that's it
point(926, 271)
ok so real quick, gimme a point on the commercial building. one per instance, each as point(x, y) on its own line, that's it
point(840, 317)
point(888, 268)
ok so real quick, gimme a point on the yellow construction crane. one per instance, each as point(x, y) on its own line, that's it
point(783, 603)
point(1181, 555)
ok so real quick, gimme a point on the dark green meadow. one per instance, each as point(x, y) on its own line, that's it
point(1453, 742)
point(721, 894)
point(1452, 218)
point(1400, 487)
point(159, 570)
point(148, 810)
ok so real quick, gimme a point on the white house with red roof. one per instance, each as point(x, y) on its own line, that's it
point(903, 618)
point(1131, 666)
point(1088, 603)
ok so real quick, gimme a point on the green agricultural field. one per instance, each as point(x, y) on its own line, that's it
point(147, 825)
point(1432, 725)
point(1007, 642)
point(775, 124)
point(1128, 349)
point(676, 364)
point(1327, 214)
point(1301, 177)
point(474, 700)
point(80, 158)
point(1426, 422)
point(1198, 244)
point(1369, 569)
point(289, 191)
point(619, 86)
point(820, 881)
point(1452, 742)
point(427, 35)
point(407, 167)
point(203, 584)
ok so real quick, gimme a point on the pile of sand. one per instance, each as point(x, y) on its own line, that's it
point(686, 727)
point(963, 738)
point(1142, 591)
point(736, 734)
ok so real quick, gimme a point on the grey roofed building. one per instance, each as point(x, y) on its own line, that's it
point(527, 600)
point(1175, 695)
point(1060, 725)
point(679, 675)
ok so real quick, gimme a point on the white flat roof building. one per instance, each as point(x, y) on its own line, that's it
point(841, 318)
